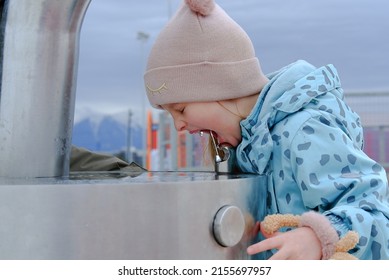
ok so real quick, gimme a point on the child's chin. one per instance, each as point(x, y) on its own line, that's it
point(229, 145)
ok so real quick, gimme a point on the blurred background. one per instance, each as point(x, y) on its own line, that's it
point(112, 112)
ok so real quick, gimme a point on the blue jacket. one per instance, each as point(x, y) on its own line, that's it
point(310, 143)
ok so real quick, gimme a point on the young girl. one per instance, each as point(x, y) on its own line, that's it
point(292, 125)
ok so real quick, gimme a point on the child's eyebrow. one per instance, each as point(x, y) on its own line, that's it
point(178, 106)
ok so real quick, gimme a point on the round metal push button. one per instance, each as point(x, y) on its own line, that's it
point(228, 226)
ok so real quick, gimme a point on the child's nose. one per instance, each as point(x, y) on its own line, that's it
point(179, 125)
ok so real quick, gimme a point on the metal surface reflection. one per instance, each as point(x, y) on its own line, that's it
point(151, 216)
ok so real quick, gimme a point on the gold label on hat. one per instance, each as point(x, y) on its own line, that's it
point(158, 90)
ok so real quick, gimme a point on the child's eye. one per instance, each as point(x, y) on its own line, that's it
point(181, 109)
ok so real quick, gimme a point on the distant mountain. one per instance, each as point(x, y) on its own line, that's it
point(105, 133)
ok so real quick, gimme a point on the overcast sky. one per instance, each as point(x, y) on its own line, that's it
point(351, 34)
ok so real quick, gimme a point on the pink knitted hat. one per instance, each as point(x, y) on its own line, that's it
point(202, 55)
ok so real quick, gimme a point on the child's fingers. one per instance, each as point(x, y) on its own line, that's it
point(267, 244)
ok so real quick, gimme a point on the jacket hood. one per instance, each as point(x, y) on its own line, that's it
point(292, 89)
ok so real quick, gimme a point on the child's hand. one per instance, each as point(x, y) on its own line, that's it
point(297, 244)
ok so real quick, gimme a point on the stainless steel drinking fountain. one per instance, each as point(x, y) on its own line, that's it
point(47, 212)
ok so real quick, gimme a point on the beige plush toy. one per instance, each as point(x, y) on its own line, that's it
point(273, 223)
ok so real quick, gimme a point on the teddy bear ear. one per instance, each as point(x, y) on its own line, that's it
point(203, 7)
point(347, 242)
point(274, 222)
point(342, 256)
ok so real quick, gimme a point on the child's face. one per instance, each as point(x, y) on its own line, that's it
point(205, 116)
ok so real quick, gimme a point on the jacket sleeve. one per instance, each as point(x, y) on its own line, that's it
point(336, 178)
point(84, 160)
